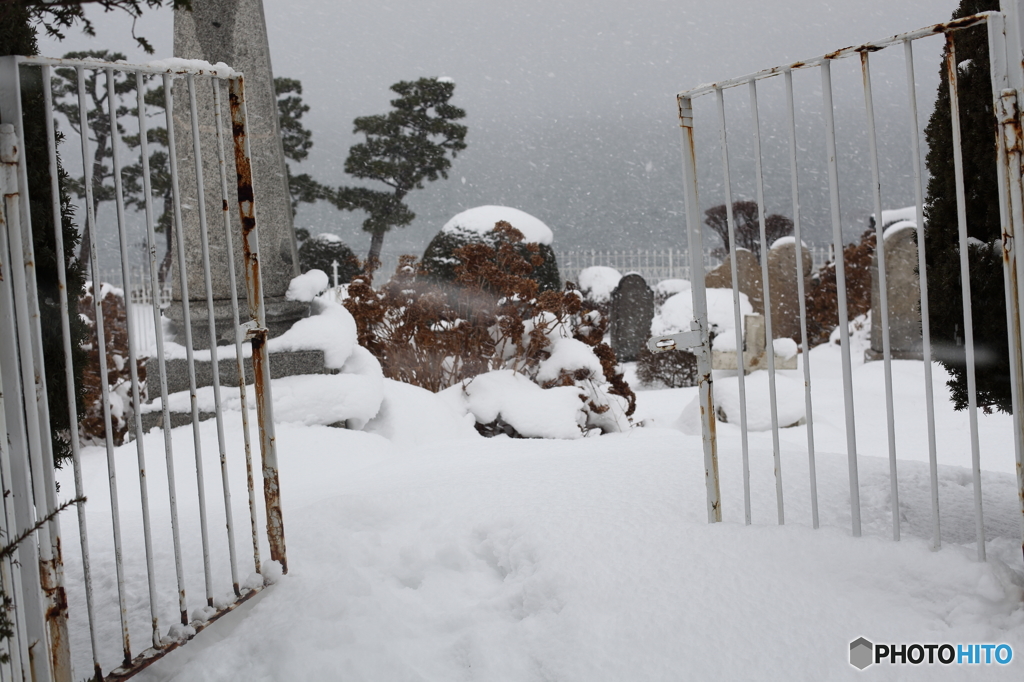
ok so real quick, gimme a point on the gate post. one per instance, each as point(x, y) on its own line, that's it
point(1007, 66)
point(256, 328)
point(57, 659)
point(695, 243)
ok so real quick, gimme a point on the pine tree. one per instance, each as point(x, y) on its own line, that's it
point(18, 19)
point(747, 226)
point(18, 37)
point(321, 251)
point(297, 140)
point(403, 148)
point(65, 101)
point(977, 129)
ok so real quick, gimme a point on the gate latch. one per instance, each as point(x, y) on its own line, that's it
point(690, 339)
point(251, 330)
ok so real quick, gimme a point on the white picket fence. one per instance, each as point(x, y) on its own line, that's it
point(654, 265)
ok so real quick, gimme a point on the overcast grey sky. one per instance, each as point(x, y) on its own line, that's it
point(527, 71)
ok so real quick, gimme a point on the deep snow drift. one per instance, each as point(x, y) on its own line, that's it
point(421, 551)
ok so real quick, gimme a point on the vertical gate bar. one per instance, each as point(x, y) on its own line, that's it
point(965, 290)
point(214, 364)
point(767, 301)
point(69, 371)
point(218, 115)
point(101, 345)
point(147, 189)
point(883, 291)
point(1008, 107)
point(1014, 26)
point(179, 238)
point(258, 314)
point(8, 528)
point(844, 320)
point(29, 611)
point(922, 268)
point(26, 297)
point(801, 294)
point(737, 315)
point(133, 372)
point(695, 241)
point(1010, 167)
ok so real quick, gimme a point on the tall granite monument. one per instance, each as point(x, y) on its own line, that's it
point(234, 32)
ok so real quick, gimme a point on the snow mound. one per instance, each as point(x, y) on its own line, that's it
point(898, 214)
point(677, 312)
point(598, 282)
point(669, 287)
point(533, 411)
point(785, 241)
point(331, 329)
point(789, 393)
point(784, 348)
point(351, 398)
point(570, 356)
point(899, 226)
point(482, 219)
point(307, 286)
point(413, 416)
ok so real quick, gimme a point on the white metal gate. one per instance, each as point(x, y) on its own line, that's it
point(1005, 34)
point(145, 597)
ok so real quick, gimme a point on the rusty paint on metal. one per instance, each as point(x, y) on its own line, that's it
point(950, 26)
point(152, 655)
point(56, 617)
point(258, 334)
point(836, 54)
point(1012, 137)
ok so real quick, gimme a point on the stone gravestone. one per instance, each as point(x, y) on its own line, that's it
point(785, 304)
point(630, 313)
point(234, 32)
point(904, 294)
point(748, 271)
point(755, 348)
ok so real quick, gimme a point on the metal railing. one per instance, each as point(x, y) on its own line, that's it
point(1004, 38)
point(42, 648)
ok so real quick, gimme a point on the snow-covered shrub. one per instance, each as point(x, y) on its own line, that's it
point(675, 369)
point(495, 319)
point(318, 252)
point(439, 260)
point(91, 427)
point(598, 282)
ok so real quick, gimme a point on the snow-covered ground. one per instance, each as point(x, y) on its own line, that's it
point(421, 551)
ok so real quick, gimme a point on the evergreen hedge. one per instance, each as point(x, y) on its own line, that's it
point(439, 261)
point(988, 301)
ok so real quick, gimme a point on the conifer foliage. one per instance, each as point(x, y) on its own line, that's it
point(18, 37)
point(977, 129)
point(747, 226)
point(404, 148)
point(439, 262)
